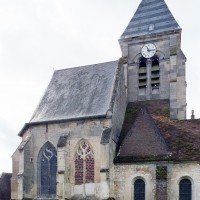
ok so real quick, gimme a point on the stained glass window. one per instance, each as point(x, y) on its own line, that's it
point(47, 161)
point(185, 189)
point(84, 164)
point(139, 190)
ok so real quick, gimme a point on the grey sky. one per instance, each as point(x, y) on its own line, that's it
point(39, 36)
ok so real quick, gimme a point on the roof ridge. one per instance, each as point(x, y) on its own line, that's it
point(70, 68)
point(156, 128)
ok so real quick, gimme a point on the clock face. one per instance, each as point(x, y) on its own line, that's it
point(148, 50)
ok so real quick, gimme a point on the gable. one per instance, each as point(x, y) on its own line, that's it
point(143, 139)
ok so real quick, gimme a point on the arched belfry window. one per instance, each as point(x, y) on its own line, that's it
point(185, 189)
point(47, 164)
point(142, 72)
point(155, 73)
point(139, 190)
point(84, 164)
point(149, 74)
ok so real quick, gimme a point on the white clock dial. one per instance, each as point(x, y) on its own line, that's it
point(148, 50)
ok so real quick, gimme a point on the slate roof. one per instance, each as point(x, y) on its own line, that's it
point(78, 93)
point(154, 13)
point(172, 140)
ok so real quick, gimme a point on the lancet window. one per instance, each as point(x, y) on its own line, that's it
point(84, 164)
point(47, 164)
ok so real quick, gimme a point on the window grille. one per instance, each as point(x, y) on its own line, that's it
point(139, 190)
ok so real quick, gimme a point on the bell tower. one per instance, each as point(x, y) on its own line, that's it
point(155, 66)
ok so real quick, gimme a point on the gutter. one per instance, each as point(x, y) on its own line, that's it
point(27, 125)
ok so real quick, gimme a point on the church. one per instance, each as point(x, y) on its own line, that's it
point(115, 130)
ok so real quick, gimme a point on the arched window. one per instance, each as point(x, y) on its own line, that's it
point(47, 164)
point(142, 73)
point(155, 73)
point(185, 189)
point(139, 190)
point(84, 164)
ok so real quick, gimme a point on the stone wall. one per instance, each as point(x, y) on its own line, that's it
point(172, 71)
point(132, 49)
point(125, 176)
point(161, 190)
point(25, 159)
point(15, 171)
point(155, 188)
point(176, 172)
point(119, 108)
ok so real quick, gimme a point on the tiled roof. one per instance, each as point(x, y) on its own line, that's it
point(152, 16)
point(180, 140)
point(78, 93)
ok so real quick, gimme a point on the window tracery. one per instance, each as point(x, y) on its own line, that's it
point(47, 160)
point(84, 164)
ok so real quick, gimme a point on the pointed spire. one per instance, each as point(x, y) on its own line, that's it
point(152, 16)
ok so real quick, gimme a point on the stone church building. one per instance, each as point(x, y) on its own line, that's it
point(118, 129)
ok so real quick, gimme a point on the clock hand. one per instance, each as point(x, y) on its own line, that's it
point(151, 49)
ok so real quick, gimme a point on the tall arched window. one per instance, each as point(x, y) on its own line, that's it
point(84, 164)
point(185, 189)
point(139, 190)
point(155, 73)
point(142, 73)
point(47, 164)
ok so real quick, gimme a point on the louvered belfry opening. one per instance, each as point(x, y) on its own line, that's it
point(142, 73)
point(155, 73)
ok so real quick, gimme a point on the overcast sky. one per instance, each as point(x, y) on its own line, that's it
point(39, 36)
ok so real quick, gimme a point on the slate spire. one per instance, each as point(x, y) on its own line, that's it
point(152, 16)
